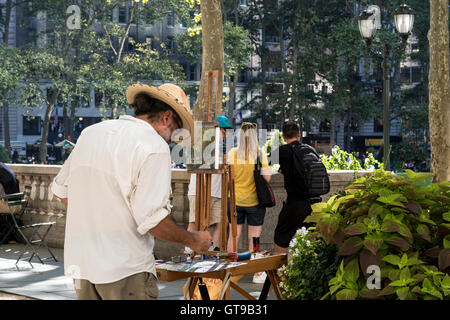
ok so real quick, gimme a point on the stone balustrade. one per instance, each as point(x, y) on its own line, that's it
point(43, 206)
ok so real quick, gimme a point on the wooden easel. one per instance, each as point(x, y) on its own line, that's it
point(204, 176)
point(203, 203)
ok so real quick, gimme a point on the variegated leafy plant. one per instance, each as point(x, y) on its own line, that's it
point(399, 223)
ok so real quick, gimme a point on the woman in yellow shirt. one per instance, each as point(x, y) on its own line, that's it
point(247, 206)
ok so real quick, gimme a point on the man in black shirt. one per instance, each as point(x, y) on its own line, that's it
point(295, 208)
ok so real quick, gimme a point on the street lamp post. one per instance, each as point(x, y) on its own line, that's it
point(367, 23)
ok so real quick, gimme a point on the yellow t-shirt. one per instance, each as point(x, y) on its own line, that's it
point(244, 183)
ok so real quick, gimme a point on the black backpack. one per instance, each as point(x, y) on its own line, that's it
point(309, 171)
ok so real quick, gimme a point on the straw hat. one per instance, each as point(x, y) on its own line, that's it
point(168, 93)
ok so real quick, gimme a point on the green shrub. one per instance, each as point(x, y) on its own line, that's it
point(4, 157)
point(341, 160)
point(311, 264)
point(400, 223)
point(276, 139)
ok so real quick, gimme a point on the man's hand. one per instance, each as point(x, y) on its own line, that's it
point(167, 230)
point(202, 241)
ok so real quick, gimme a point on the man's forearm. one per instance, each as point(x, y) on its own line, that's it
point(167, 230)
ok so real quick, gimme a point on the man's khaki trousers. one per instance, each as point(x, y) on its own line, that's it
point(140, 286)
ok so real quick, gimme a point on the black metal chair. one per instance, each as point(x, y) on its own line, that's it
point(18, 203)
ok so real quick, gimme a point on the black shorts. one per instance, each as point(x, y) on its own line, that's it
point(255, 215)
point(290, 220)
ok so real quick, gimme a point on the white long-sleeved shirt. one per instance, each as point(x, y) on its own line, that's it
point(117, 181)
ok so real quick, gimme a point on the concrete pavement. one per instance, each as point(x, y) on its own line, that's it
point(47, 281)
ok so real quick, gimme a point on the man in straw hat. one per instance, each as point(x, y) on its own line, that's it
point(116, 185)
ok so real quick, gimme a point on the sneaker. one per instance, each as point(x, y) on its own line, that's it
point(259, 277)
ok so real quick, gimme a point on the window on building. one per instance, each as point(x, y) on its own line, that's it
point(405, 75)
point(122, 14)
point(98, 98)
point(183, 24)
point(85, 102)
point(31, 126)
point(170, 44)
point(170, 18)
point(242, 76)
point(192, 72)
point(324, 89)
point(377, 125)
point(415, 47)
point(416, 74)
point(325, 126)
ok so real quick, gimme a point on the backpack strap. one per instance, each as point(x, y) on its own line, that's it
point(305, 148)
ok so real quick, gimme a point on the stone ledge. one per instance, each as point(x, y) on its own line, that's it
point(45, 207)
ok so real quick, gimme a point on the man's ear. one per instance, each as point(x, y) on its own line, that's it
point(165, 116)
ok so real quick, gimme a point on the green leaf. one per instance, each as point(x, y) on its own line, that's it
point(398, 241)
point(445, 283)
point(351, 271)
point(446, 216)
point(403, 260)
point(397, 283)
point(316, 217)
point(318, 207)
point(424, 232)
point(346, 294)
point(413, 206)
point(447, 241)
point(405, 274)
point(393, 200)
point(392, 259)
point(404, 231)
point(390, 225)
point(425, 218)
point(444, 259)
point(334, 288)
point(375, 209)
point(355, 229)
point(402, 293)
point(328, 227)
point(350, 246)
point(427, 287)
point(373, 244)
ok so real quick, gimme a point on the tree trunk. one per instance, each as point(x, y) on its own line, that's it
point(332, 130)
point(66, 122)
point(8, 8)
point(6, 129)
point(232, 101)
point(439, 90)
point(45, 125)
point(212, 52)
